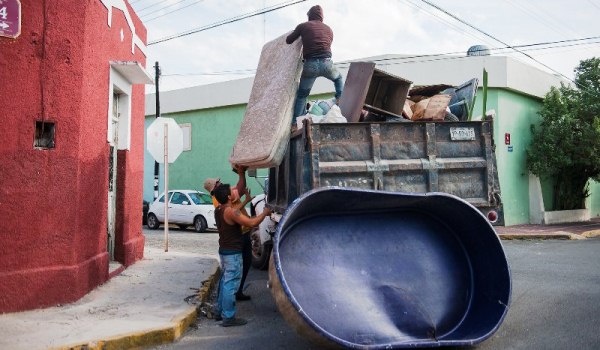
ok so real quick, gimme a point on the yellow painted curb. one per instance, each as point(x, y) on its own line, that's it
point(591, 234)
point(152, 336)
point(533, 236)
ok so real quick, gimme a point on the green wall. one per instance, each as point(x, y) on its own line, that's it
point(213, 133)
point(593, 201)
point(514, 115)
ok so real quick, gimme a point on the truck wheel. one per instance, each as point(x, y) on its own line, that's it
point(260, 252)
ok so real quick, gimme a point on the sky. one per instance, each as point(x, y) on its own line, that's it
point(553, 35)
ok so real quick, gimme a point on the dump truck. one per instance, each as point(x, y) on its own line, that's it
point(382, 234)
point(455, 157)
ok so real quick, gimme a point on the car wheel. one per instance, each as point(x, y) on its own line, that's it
point(260, 252)
point(153, 222)
point(199, 224)
point(183, 227)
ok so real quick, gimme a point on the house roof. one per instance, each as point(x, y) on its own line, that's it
point(503, 72)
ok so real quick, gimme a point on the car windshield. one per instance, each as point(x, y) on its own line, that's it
point(200, 198)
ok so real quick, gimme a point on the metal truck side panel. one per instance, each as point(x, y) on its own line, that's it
point(416, 157)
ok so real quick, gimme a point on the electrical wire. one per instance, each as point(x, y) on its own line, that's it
point(427, 57)
point(536, 16)
point(498, 40)
point(150, 6)
point(164, 14)
point(592, 3)
point(226, 21)
point(442, 20)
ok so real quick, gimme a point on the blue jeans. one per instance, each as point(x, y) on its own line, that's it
point(314, 68)
point(231, 274)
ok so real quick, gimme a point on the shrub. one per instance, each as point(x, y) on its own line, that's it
point(566, 146)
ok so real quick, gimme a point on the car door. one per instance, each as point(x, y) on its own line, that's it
point(203, 205)
point(158, 207)
point(179, 207)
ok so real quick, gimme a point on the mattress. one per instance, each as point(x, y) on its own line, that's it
point(265, 130)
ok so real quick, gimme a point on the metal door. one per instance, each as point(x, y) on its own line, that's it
point(112, 178)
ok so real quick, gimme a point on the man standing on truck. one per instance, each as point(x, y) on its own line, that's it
point(316, 52)
point(229, 223)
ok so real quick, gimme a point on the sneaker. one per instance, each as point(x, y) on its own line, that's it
point(241, 297)
point(232, 322)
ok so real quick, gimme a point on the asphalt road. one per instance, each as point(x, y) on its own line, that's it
point(555, 300)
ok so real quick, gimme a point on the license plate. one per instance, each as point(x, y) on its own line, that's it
point(462, 134)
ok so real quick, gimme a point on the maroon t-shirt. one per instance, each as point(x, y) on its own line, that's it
point(230, 236)
point(316, 36)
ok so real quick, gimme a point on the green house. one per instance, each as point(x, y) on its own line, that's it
point(210, 116)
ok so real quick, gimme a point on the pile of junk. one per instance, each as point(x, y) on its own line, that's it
point(373, 95)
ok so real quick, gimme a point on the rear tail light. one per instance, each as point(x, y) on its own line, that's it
point(492, 216)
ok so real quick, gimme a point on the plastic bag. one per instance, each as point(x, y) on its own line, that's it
point(334, 116)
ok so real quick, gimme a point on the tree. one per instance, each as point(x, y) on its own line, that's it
point(566, 146)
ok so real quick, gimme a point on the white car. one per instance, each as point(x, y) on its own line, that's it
point(186, 207)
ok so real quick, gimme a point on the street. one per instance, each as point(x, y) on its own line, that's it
point(555, 300)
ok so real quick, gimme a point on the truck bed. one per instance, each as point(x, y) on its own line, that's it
point(415, 157)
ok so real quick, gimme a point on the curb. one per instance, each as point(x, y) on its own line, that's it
point(591, 234)
point(559, 235)
point(155, 336)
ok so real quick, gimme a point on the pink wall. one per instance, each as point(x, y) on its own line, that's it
point(53, 203)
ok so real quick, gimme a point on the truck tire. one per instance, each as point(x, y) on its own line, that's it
point(260, 252)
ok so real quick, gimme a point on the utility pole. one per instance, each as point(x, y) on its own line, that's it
point(157, 114)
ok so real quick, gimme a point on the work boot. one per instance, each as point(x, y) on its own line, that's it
point(241, 297)
point(232, 322)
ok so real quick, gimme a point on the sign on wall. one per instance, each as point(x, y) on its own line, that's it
point(10, 18)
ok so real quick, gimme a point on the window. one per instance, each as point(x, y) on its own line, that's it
point(200, 198)
point(179, 198)
point(187, 136)
point(162, 198)
point(44, 135)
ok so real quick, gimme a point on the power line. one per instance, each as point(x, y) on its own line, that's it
point(160, 8)
point(226, 21)
point(426, 57)
point(164, 14)
point(440, 19)
point(596, 6)
point(535, 15)
point(150, 6)
point(498, 40)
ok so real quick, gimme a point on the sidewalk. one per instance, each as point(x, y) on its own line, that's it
point(145, 304)
point(576, 230)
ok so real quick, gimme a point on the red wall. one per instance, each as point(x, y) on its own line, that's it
point(53, 203)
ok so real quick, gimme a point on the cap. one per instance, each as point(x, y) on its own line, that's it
point(210, 183)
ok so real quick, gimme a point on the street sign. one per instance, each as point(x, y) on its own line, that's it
point(10, 18)
point(156, 139)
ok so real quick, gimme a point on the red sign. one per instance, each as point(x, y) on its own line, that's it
point(507, 138)
point(10, 18)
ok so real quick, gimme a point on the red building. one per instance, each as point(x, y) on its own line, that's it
point(72, 111)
